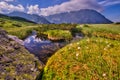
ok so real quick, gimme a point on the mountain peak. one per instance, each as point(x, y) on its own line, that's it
point(83, 16)
point(31, 17)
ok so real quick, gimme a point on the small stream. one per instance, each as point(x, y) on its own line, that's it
point(43, 49)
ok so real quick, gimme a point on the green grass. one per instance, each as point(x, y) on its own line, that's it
point(59, 34)
point(16, 26)
point(22, 29)
point(21, 32)
point(96, 57)
point(88, 59)
point(93, 58)
point(111, 31)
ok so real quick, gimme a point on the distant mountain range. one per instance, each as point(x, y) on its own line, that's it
point(15, 18)
point(84, 16)
point(31, 17)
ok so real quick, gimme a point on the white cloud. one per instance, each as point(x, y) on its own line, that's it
point(7, 8)
point(109, 2)
point(8, 0)
point(72, 5)
point(33, 9)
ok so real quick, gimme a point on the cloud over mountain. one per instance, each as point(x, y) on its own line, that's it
point(33, 9)
point(51, 7)
point(72, 5)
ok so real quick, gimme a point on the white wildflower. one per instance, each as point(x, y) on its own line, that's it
point(105, 49)
point(104, 75)
point(79, 48)
point(32, 69)
point(108, 45)
point(71, 44)
point(77, 54)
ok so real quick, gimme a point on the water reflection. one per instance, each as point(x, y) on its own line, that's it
point(41, 48)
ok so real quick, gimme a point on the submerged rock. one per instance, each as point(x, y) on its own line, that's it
point(16, 63)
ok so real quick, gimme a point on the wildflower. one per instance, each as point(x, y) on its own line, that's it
point(71, 44)
point(108, 45)
point(105, 49)
point(77, 54)
point(78, 43)
point(104, 75)
point(78, 47)
point(32, 69)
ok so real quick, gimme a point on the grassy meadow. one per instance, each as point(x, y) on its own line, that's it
point(88, 59)
point(111, 31)
point(95, 57)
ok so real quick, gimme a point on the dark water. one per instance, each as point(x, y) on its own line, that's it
point(43, 49)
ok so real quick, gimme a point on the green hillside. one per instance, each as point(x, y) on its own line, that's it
point(13, 25)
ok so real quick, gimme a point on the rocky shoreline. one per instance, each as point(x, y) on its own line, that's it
point(16, 63)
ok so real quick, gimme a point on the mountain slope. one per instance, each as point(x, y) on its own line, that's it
point(82, 16)
point(5, 17)
point(31, 17)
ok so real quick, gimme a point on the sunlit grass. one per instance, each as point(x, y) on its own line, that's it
point(88, 59)
point(111, 31)
point(59, 34)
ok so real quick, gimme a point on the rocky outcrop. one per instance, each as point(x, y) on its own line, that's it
point(16, 39)
point(16, 63)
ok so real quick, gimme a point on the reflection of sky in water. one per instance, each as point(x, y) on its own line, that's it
point(43, 48)
point(35, 45)
point(33, 40)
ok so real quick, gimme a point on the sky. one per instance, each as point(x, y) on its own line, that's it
point(109, 8)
